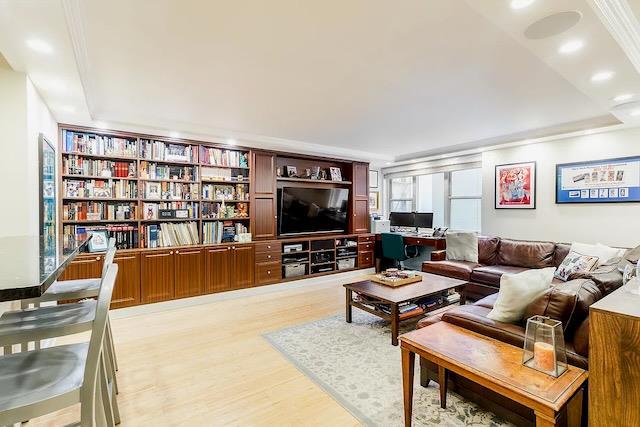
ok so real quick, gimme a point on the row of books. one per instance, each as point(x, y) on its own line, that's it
point(220, 210)
point(158, 150)
point(222, 231)
point(170, 234)
point(151, 170)
point(75, 165)
point(219, 157)
point(222, 174)
point(170, 190)
point(87, 143)
point(225, 192)
point(126, 235)
point(98, 188)
point(99, 211)
point(170, 210)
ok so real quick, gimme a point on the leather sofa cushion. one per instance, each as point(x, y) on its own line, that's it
point(490, 274)
point(561, 252)
point(487, 301)
point(474, 318)
point(566, 302)
point(526, 254)
point(456, 269)
point(429, 320)
point(581, 339)
point(488, 250)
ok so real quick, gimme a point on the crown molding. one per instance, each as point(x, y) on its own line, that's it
point(621, 22)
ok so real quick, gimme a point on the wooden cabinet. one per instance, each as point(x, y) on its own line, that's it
point(366, 258)
point(360, 199)
point(263, 202)
point(127, 289)
point(217, 269)
point(157, 273)
point(242, 265)
point(83, 267)
point(188, 272)
point(268, 266)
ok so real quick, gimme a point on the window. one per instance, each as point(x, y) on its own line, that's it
point(455, 198)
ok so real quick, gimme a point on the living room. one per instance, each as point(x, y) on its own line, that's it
point(321, 213)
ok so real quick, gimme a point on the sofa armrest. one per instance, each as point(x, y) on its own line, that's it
point(438, 255)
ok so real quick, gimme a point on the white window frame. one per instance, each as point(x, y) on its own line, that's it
point(414, 190)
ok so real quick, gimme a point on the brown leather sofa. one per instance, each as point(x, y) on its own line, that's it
point(565, 301)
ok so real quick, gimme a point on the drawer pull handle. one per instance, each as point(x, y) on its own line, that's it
point(268, 256)
point(268, 271)
point(97, 258)
point(268, 246)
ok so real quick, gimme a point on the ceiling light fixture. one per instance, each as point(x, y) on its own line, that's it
point(231, 141)
point(623, 97)
point(571, 47)
point(635, 113)
point(40, 46)
point(602, 76)
point(521, 4)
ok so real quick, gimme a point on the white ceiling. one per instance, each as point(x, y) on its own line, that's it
point(377, 80)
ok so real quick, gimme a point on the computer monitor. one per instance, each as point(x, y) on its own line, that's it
point(423, 220)
point(402, 219)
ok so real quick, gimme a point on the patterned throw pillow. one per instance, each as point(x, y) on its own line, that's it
point(575, 263)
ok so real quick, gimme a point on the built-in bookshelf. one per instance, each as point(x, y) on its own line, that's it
point(153, 192)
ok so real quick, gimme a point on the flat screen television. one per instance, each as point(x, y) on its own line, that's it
point(303, 210)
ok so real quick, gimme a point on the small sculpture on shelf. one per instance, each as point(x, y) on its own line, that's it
point(242, 210)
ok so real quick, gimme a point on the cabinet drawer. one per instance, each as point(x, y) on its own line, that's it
point(365, 259)
point(365, 247)
point(368, 238)
point(268, 272)
point(268, 256)
point(268, 247)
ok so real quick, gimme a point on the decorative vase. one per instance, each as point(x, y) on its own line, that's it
point(544, 348)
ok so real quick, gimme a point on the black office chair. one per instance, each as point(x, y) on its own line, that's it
point(393, 247)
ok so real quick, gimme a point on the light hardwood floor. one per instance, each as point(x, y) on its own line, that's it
point(207, 365)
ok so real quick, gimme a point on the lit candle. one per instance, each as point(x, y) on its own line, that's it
point(543, 356)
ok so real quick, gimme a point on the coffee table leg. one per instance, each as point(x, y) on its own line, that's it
point(348, 305)
point(463, 295)
point(395, 320)
point(443, 376)
point(408, 362)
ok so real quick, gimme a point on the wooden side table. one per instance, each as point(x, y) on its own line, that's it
point(496, 366)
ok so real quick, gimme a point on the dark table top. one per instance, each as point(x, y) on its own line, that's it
point(29, 264)
point(431, 284)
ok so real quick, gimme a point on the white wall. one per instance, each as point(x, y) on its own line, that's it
point(611, 224)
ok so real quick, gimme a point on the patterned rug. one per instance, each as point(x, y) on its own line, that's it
point(359, 367)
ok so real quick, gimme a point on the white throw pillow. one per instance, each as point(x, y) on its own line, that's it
point(602, 252)
point(517, 291)
point(462, 246)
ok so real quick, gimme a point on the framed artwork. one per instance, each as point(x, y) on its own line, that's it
point(515, 186)
point(374, 201)
point(373, 179)
point(599, 181)
point(336, 174)
point(99, 241)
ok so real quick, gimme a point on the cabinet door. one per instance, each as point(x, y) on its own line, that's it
point(361, 216)
point(157, 276)
point(188, 272)
point(264, 167)
point(83, 267)
point(360, 200)
point(242, 266)
point(127, 289)
point(264, 223)
point(361, 180)
point(217, 268)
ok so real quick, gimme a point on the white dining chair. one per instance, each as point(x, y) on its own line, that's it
point(35, 383)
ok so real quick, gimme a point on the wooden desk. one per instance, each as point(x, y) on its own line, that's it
point(496, 366)
point(413, 239)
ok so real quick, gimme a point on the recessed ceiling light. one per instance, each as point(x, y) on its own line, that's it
point(571, 46)
point(174, 134)
point(40, 46)
point(231, 141)
point(388, 163)
point(602, 76)
point(635, 113)
point(623, 97)
point(521, 4)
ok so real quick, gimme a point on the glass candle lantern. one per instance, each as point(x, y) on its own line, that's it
point(544, 348)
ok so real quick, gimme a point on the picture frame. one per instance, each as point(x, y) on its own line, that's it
point(290, 171)
point(99, 241)
point(374, 201)
point(373, 179)
point(335, 173)
point(614, 180)
point(515, 186)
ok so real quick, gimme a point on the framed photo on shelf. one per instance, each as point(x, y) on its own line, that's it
point(336, 174)
point(599, 181)
point(373, 179)
point(515, 186)
point(374, 201)
point(99, 241)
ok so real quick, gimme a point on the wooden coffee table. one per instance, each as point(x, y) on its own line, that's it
point(496, 366)
point(431, 284)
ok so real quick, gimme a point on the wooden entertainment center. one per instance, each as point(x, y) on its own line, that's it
point(229, 185)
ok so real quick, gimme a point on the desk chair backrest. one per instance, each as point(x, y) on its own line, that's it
point(393, 246)
point(109, 256)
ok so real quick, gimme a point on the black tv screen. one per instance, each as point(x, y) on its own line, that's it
point(312, 210)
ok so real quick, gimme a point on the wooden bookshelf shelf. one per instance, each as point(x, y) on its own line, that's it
point(181, 181)
point(226, 201)
point(315, 181)
point(168, 200)
point(170, 162)
point(102, 156)
point(99, 177)
point(206, 165)
point(240, 218)
point(222, 181)
point(99, 199)
point(98, 221)
point(171, 220)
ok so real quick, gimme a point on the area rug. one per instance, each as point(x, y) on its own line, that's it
point(359, 367)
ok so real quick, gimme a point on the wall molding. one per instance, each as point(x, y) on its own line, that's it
point(621, 22)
